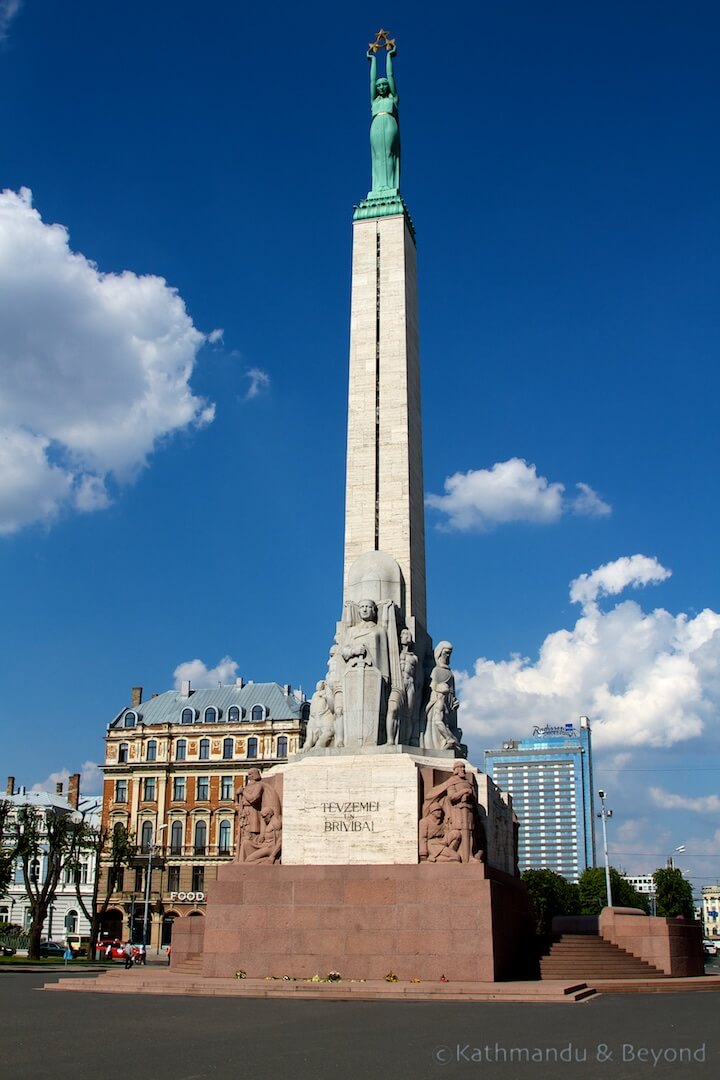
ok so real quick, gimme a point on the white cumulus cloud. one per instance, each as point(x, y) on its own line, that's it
point(90, 780)
point(701, 804)
point(225, 671)
point(94, 371)
point(259, 381)
point(510, 491)
point(643, 678)
point(613, 577)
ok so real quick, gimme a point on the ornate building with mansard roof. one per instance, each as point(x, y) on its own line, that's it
point(174, 766)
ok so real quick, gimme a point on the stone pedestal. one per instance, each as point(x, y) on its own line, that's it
point(465, 922)
point(364, 808)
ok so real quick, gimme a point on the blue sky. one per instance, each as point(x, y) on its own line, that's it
point(172, 396)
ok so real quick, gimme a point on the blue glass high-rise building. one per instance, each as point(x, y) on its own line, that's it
point(549, 777)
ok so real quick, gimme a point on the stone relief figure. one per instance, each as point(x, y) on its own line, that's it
point(442, 706)
point(412, 681)
point(458, 801)
point(321, 725)
point(267, 847)
point(437, 842)
point(385, 124)
point(372, 679)
point(256, 796)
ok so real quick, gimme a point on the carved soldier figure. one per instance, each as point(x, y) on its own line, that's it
point(256, 796)
point(437, 844)
point(268, 846)
point(410, 667)
point(456, 797)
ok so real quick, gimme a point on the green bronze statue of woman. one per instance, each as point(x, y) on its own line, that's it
point(385, 126)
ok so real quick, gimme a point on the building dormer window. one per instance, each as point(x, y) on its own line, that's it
point(187, 716)
point(211, 715)
point(258, 714)
point(123, 753)
point(252, 748)
point(131, 718)
point(234, 714)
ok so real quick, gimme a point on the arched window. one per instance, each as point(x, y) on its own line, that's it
point(151, 750)
point(227, 749)
point(305, 711)
point(200, 837)
point(131, 718)
point(146, 837)
point(204, 749)
point(211, 715)
point(176, 838)
point(233, 714)
point(71, 922)
point(282, 746)
point(181, 749)
point(123, 753)
point(258, 714)
point(252, 748)
point(187, 716)
point(224, 838)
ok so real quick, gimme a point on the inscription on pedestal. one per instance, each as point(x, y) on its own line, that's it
point(362, 812)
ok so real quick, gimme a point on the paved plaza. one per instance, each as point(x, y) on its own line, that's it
point(96, 1037)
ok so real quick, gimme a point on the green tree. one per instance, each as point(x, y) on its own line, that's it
point(593, 892)
point(551, 895)
point(118, 851)
point(45, 838)
point(674, 894)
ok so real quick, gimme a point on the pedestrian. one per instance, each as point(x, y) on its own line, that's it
point(142, 955)
point(168, 951)
point(128, 954)
point(108, 951)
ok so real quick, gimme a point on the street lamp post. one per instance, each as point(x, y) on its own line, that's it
point(148, 876)
point(604, 815)
point(671, 858)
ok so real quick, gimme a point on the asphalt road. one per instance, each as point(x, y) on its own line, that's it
point(101, 1037)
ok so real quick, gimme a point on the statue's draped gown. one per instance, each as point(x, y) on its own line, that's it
point(385, 143)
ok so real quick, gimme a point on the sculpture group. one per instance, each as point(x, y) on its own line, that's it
point(376, 691)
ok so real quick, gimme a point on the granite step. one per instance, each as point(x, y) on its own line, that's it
point(168, 984)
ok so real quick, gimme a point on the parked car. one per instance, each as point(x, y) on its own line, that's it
point(114, 945)
point(711, 947)
point(117, 950)
point(7, 950)
point(52, 949)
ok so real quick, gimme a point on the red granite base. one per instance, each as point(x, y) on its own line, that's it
point(424, 921)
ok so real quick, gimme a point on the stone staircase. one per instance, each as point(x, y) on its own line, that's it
point(591, 958)
point(190, 965)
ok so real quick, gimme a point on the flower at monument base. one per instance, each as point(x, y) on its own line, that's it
point(333, 976)
point(443, 979)
point(316, 978)
point(414, 979)
point(240, 974)
point(391, 977)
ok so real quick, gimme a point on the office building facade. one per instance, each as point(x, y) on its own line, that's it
point(549, 777)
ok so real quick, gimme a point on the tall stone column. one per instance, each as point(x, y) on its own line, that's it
point(384, 481)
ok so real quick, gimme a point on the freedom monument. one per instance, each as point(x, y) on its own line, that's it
point(379, 847)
